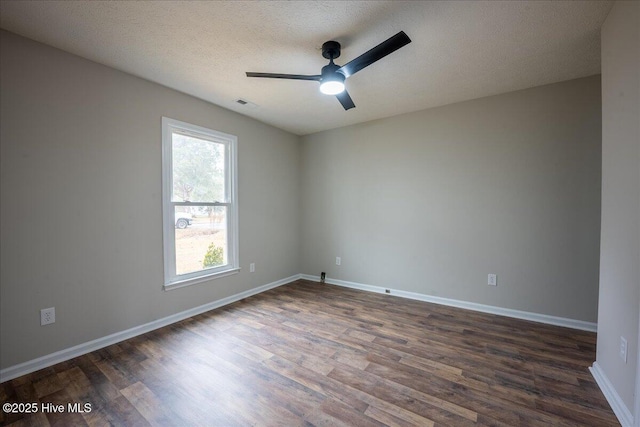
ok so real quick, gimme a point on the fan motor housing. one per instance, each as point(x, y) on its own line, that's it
point(330, 72)
point(331, 49)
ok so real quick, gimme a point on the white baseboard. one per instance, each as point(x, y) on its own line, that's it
point(78, 350)
point(612, 396)
point(518, 314)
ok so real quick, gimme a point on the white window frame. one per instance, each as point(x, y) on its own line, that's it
point(171, 279)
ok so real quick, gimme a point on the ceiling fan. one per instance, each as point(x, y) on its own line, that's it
point(332, 76)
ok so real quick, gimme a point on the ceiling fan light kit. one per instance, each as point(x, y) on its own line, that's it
point(332, 76)
point(332, 87)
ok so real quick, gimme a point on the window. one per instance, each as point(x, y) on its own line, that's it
point(199, 201)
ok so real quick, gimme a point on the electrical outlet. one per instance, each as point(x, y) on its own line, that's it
point(338, 260)
point(252, 267)
point(623, 349)
point(492, 280)
point(47, 316)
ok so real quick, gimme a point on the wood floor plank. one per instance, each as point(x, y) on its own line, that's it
point(313, 354)
point(404, 397)
point(147, 403)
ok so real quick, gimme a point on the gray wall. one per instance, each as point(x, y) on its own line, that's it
point(619, 307)
point(80, 211)
point(433, 201)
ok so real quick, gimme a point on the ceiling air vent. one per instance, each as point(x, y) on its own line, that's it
point(246, 103)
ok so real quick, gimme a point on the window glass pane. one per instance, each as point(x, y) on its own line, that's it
point(198, 169)
point(200, 237)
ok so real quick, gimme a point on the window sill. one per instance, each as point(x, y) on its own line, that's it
point(200, 279)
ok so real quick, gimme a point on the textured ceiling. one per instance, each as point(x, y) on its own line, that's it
point(461, 49)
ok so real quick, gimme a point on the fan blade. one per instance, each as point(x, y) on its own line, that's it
point(285, 76)
point(345, 100)
point(383, 49)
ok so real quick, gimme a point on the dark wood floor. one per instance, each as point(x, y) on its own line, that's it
point(312, 354)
